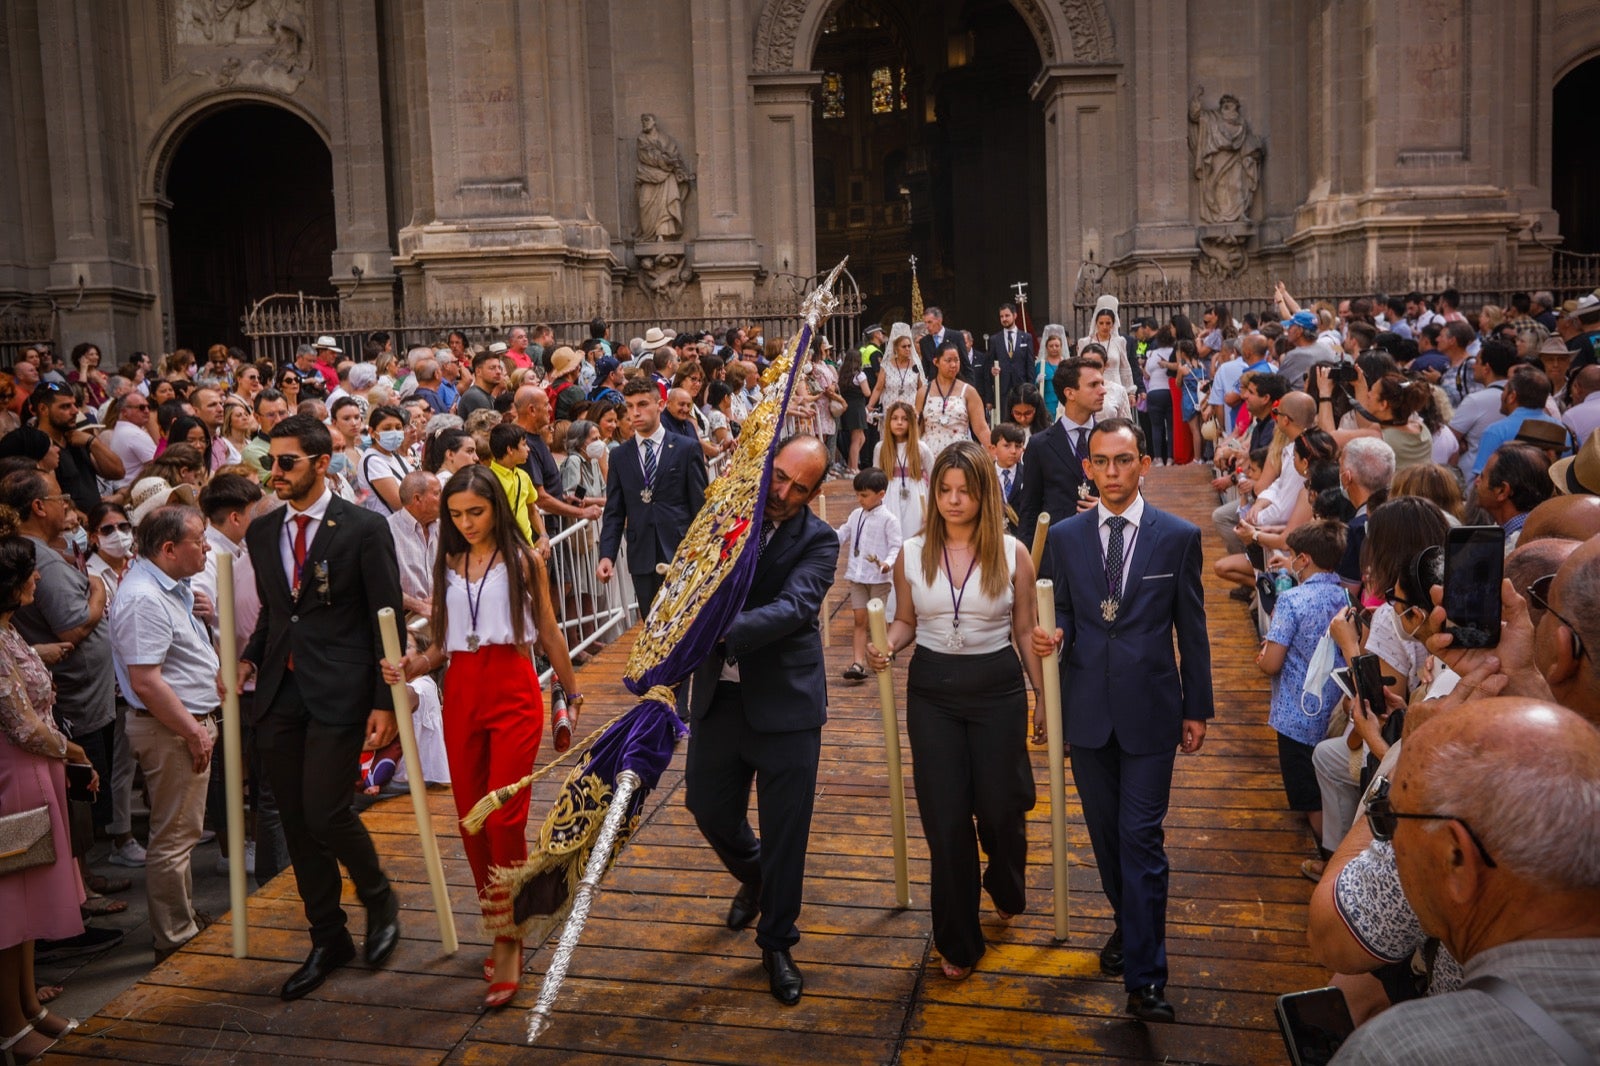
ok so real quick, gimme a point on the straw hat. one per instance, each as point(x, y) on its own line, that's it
point(149, 494)
point(656, 338)
point(1579, 475)
point(564, 360)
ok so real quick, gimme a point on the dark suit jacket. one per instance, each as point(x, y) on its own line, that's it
point(1121, 678)
point(775, 639)
point(929, 350)
point(1051, 475)
point(1015, 369)
point(653, 529)
point(332, 627)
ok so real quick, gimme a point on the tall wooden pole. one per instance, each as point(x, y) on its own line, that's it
point(1041, 532)
point(232, 758)
point(394, 652)
point(1057, 754)
point(877, 626)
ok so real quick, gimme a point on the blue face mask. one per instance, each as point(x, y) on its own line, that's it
point(366, 440)
point(338, 463)
point(391, 440)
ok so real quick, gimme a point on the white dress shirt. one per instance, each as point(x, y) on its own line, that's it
point(415, 545)
point(658, 439)
point(290, 529)
point(868, 535)
point(1583, 418)
point(134, 447)
point(1016, 475)
point(1130, 534)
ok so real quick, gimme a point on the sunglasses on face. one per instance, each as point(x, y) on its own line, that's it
point(284, 462)
point(1384, 819)
point(1539, 596)
point(114, 527)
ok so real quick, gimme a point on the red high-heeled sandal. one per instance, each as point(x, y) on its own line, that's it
point(502, 992)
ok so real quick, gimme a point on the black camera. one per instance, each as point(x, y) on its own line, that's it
point(1343, 373)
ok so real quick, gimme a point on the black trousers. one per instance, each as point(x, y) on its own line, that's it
point(967, 717)
point(725, 754)
point(645, 587)
point(1125, 800)
point(312, 769)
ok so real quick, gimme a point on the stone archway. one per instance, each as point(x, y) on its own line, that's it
point(1078, 31)
point(214, 259)
point(1078, 87)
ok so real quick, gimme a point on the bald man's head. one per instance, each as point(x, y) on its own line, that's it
point(1524, 775)
point(679, 404)
point(1530, 562)
point(798, 471)
point(1299, 408)
point(1585, 383)
point(1572, 517)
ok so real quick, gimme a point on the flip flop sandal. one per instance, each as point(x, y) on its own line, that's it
point(108, 886)
point(98, 906)
point(952, 972)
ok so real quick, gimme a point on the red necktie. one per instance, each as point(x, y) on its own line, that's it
point(302, 523)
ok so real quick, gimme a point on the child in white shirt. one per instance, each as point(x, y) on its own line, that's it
point(872, 537)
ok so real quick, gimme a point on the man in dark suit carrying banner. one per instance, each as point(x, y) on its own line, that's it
point(1127, 578)
point(756, 708)
point(323, 570)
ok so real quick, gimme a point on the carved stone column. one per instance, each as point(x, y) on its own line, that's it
point(96, 277)
point(1081, 193)
point(724, 253)
point(787, 217)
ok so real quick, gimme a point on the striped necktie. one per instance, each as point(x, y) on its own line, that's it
point(650, 462)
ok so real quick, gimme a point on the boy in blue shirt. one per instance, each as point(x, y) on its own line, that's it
point(1298, 623)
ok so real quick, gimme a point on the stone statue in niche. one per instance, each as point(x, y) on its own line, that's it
point(1227, 159)
point(664, 274)
point(251, 42)
point(662, 182)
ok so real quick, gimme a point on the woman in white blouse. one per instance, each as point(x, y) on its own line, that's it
point(495, 608)
point(1107, 332)
point(965, 596)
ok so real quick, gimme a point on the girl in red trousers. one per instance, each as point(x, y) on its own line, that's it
point(491, 604)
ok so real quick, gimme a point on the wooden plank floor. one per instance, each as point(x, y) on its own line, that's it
point(658, 978)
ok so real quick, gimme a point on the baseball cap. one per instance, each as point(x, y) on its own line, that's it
point(1304, 319)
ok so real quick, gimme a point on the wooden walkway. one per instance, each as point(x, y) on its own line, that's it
point(658, 978)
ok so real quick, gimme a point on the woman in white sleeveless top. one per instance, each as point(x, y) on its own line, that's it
point(965, 597)
point(490, 608)
point(951, 409)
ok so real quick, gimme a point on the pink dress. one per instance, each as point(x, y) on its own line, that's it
point(40, 903)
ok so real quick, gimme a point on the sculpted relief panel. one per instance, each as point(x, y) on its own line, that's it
point(259, 43)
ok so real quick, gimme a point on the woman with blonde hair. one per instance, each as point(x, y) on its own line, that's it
point(900, 375)
point(1053, 345)
point(1431, 481)
point(907, 461)
point(965, 597)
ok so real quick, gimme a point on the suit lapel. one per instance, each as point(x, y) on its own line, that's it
point(778, 549)
point(1144, 549)
point(272, 558)
point(1056, 437)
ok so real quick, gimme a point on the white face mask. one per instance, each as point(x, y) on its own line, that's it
point(595, 449)
point(116, 545)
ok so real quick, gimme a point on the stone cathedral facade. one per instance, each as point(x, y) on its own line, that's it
point(169, 160)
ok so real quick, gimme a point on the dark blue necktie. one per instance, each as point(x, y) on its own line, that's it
point(1114, 557)
point(650, 462)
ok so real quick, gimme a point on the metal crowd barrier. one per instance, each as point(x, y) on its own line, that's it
point(589, 611)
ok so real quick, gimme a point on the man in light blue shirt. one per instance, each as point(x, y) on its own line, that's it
point(1529, 390)
point(168, 671)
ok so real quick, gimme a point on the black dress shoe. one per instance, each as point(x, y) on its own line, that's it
point(1149, 1004)
point(383, 931)
point(783, 976)
point(318, 965)
point(745, 906)
point(1111, 961)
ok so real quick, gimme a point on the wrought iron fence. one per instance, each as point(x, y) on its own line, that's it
point(589, 611)
point(277, 324)
point(1253, 291)
point(24, 323)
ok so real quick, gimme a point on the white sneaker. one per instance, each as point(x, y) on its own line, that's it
point(129, 854)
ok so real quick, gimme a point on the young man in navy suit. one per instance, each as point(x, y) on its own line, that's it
point(655, 487)
point(756, 708)
point(1053, 480)
point(1008, 358)
point(1127, 578)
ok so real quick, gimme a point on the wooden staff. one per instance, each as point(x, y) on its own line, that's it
point(393, 651)
point(1057, 753)
point(999, 416)
point(232, 757)
point(1041, 532)
point(878, 627)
